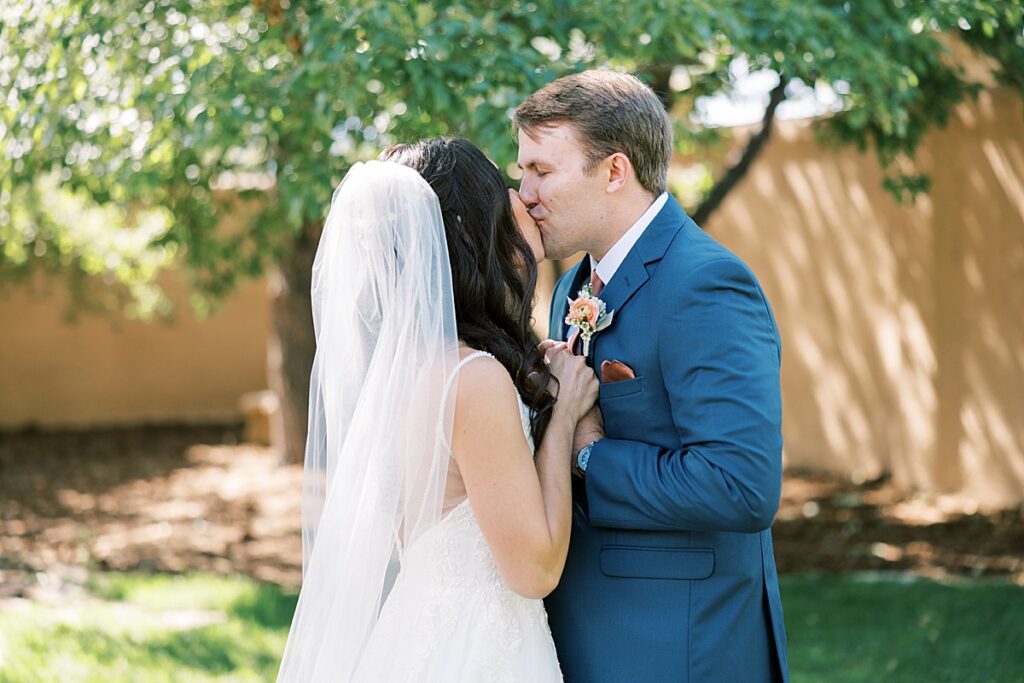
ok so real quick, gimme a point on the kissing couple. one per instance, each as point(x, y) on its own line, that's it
point(481, 505)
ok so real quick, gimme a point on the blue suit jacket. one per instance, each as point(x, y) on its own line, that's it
point(671, 574)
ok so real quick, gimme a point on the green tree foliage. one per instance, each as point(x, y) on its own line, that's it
point(165, 105)
point(156, 103)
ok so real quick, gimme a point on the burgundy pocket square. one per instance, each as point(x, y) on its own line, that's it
point(614, 371)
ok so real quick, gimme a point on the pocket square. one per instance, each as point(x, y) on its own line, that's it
point(614, 371)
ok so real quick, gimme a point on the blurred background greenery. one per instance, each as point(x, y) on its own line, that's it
point(131, 115)
point(145, 143)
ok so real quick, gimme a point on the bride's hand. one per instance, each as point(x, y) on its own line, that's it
point(577, 384)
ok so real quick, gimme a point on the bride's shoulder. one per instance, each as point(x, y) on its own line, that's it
point(480, 367)
point(487, 407)
point(482, 378)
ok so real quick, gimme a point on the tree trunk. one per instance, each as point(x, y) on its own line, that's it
point(292, 345)
point(737, 171)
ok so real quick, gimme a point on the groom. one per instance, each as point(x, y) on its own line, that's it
point(670, 574)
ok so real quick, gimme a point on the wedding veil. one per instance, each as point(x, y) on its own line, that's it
point(379, 416)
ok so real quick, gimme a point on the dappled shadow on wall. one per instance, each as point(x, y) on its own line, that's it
point(903, 341)
point(977, 244)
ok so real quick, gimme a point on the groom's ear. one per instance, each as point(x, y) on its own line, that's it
point(620, 170)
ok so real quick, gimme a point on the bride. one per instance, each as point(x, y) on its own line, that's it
point(436, 499)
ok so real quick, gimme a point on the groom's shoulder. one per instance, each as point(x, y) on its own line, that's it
point(694, 252)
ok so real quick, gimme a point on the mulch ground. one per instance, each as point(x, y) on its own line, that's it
point(185, 498)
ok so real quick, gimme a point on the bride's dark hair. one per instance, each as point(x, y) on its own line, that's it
point(494, 274)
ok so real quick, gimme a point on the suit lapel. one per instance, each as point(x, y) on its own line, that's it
point(630, 276)
point(650, 248)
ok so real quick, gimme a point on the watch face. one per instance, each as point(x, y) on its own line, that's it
point(584, 457)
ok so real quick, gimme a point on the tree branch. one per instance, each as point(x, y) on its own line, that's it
point(737, 171)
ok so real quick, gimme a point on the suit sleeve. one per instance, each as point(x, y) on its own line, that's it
point(719, 355)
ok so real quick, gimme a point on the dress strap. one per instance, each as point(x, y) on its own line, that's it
point(447, 389)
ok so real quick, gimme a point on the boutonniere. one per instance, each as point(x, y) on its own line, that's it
point(589, 314)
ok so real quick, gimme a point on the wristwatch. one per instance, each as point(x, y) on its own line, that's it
point(584, 456)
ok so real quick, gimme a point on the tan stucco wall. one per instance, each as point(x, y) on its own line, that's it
point(104, 371)
point(903, 326)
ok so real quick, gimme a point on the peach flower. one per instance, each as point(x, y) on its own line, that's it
point(585, 311)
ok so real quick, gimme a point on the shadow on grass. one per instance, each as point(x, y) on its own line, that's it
point(251, 641)
point(867, 628)
point(216, 650)
point(75, 653)
point(267, 605)
point(155, 627)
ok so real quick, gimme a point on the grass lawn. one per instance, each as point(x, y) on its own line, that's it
point(146, 629)
point(149, 628)
point(844, 629)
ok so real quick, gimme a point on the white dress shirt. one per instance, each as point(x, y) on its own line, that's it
point(607, 266)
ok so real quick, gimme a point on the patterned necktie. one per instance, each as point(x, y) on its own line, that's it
point(596, 285)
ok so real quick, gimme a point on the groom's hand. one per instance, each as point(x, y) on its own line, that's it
point(590, 428)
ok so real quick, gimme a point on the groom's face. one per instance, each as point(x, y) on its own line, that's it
point(565, 200)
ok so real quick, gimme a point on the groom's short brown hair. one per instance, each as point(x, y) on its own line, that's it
point(612, 112)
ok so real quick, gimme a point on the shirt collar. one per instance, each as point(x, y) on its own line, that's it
point(607, 266)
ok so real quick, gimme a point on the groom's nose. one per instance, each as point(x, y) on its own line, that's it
point(527, 193)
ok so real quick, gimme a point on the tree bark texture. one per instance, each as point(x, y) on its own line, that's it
point(292, 345)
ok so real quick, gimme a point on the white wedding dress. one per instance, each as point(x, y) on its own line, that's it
point(450, 617)
point(398, 583)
